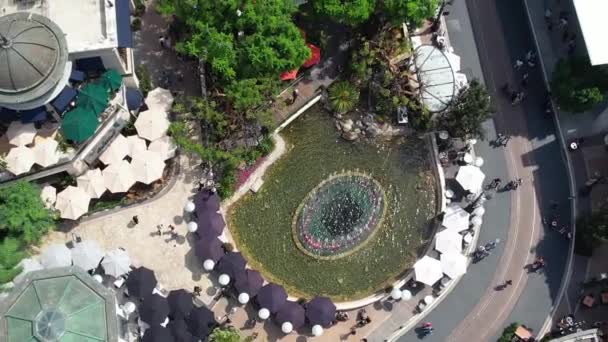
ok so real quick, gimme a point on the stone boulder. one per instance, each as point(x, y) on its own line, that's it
point(350, 136)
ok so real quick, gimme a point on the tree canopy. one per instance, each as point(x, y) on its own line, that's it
point(578, 85)
point(410, 11)
point(355, 12)
point(240, 39)
point(351, 12)
point(224, 335)
point(22, 212)
point(469, 110)
point(10, 255)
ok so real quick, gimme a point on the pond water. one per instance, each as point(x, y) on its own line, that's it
point(262, 224)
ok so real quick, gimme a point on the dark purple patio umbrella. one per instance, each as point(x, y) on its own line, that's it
point(140, 282)
point(157, 333)
point(210, 224)
point(272, 297)
point(291, 312)
point(321, 311)
point(154, 310)
point(200, 322)
point(208, 248)
point(249, 282)
point(180, 304)
point(180, 332)
point(231, 264)
point(206, 202)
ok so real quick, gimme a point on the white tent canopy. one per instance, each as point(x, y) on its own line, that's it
point(147, 166)
point(117, 151)
point(165, 147)
point(119, 177)
point(152, 124)
point(428, 270)
point(159, 98)
point(136, 144)
point(45, 152)
point(453, 264)
point(92, 183)
point(19, 160)
point(20, 134)
point(87, 255)
point(56, 255)
point(72, 203)
point(448, 241)
point(48, 195)
point(116, 263)
point(470, 178)
point(455, 218)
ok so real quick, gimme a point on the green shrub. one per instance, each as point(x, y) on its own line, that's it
point(145, 83)
point(266, 145)
point(508, 333)
point(343, 97)
point(227, 334)
point(136, 25)
point(140, 8)
point(11, 254)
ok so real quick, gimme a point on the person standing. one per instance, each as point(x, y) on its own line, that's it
point(518, 64)
point(135, 220)
point(295, 94)
point(161, 41)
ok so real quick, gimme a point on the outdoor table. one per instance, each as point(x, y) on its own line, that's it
point(588, 301)
point(428, 299)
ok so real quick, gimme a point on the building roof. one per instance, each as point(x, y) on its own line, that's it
point(436, 77)
point(591, 17)
point(55, 305)
point(33, 56)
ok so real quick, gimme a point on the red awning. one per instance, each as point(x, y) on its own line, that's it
point(315, 56)
point(289, 75)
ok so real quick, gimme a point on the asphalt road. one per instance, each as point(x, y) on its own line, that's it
point(497, 35)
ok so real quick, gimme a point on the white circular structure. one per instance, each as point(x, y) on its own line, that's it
point(208, 265)
point(396, 294)
point(189, 207)
point(476, 221)
point(406, 295)
point(192, 227)
point(224, 279)
point(479, 211)
point(428, 299)
point(317, 330)
point(449, 193)
point(263, 313)
point(243, 298)
point(129, 307)
point(467, 158)
point(478, 161)
point(98, 278)
point(436, 76)
point(286, 327)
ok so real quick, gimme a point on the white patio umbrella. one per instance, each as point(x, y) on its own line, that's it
point(476, 221)
point(87, 255)
point(92, 183)
point(72, 203)
point(48, 195)
point(116, 263)
point(406, 295)
point(152, 124)
point(455, 218)
point(478, 161)
point(317, 330)
point(19, 160)
point(470, 178)
point(27, 265)
point(118, 177)
point(56, 255)
point(428, 270)
point(165, 147)
point(147, 166)
point(136, 144)
point(448, 241)
point(116, 151)
point(160, 98)
point(453, 264)
point(45, 152)
point(479, 211)
point(20, 134)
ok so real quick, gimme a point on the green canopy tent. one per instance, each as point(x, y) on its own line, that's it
point(110, 80)
point(93, 97)
point(79, 124)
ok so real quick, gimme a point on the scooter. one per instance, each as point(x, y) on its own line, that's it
point(426, 329)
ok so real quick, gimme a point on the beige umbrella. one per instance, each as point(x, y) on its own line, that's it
point(119, 177)
point(92, 183)
point(48, 195)
point(19, 160)
point(159, 98)
point(152, 124)
point(72, 202)
point(165, 147)
point(45, 152)
point(116, 151)
point(136, 144)
point(20, 134)
point(147, 166)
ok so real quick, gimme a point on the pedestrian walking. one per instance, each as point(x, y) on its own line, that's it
point(295, 94)
point(518, 64)
point(548, 14)
point(135, 220)
point(159, 228)
point(162, 41)
point(563, 23)
point(197, 291)
point(505, 140)
point(524, 79)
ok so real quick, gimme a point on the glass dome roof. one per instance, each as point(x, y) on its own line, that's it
point(436, 77)
point(59, 308)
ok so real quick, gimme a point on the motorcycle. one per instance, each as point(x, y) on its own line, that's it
point(426, 329)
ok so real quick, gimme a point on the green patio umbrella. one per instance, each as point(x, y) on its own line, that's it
point(93, 97)
point(111, 80)
point(79, 124)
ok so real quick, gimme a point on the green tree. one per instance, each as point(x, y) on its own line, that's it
point(468, 111)
point(22, 212)
point(593, 228)
point(224, 335)
point(577, 85)
point(508, 333)
point(343, 96)
point(413, 12)
point(10, 255)
point(351, 12)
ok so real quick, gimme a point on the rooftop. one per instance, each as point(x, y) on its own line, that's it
point(591, 15)
point(98, 16)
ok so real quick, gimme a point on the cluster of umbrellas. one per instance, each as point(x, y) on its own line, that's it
point(41, 151)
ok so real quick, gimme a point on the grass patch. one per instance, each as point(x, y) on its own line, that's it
point(261, 223)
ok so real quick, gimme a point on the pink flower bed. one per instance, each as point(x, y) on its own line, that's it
point(243, 175)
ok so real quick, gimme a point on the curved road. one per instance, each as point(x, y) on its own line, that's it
point(498, 35)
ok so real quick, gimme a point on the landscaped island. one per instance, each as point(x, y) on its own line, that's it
point(295, 230)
